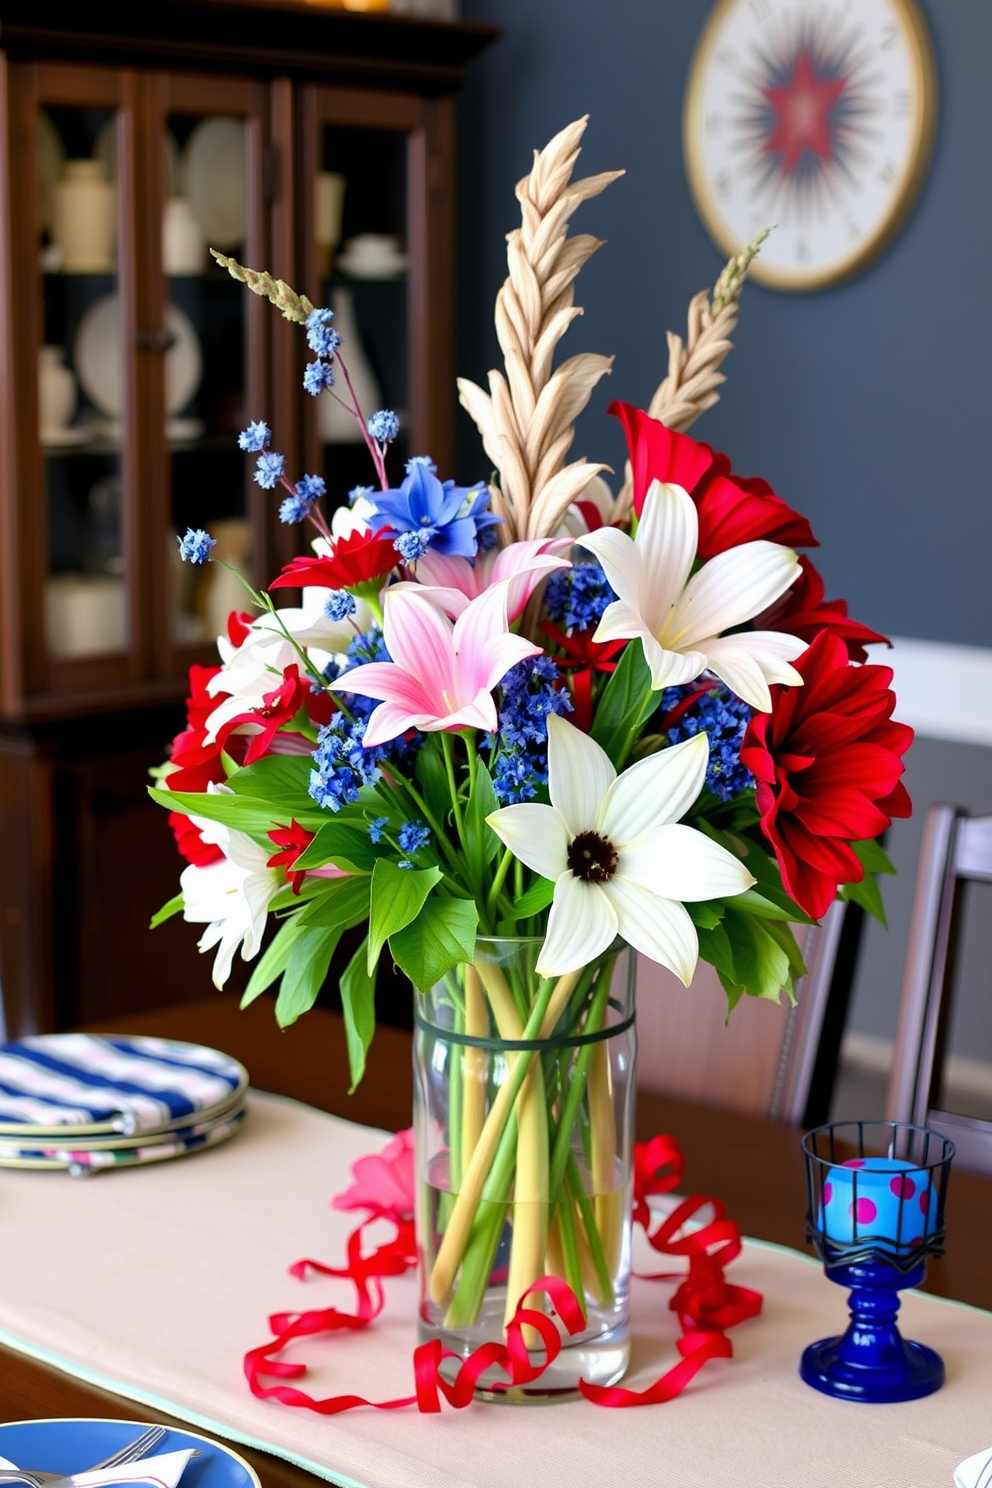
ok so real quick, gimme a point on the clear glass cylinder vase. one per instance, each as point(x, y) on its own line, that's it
point(524, 1116)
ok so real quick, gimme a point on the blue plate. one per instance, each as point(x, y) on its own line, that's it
point(73, 1445)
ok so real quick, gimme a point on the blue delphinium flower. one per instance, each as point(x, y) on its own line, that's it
point(317, 376)
point(344, 765)
point(321, 337)
point(384, 426)
point(450, 516)
point(723, 717)
point(413, 835)
point(519, 761)
point(340, 604)
point(268, 468)
point(255, 437)
point(375, 827)
point(576, 598)
point(195, 546)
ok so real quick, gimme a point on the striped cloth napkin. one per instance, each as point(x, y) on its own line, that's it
point(129, 1085)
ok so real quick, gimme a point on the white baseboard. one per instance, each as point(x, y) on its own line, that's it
point(944, 691)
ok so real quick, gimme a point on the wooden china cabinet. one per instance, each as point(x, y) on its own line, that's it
point(316, 143)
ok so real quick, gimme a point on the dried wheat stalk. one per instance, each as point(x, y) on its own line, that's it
point(694, 365)
point(527, 418)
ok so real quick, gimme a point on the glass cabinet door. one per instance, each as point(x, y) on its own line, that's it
point(214, 377)
point(82, 378)
point(367, 256)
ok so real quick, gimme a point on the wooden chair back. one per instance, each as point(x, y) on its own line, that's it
point(956, 848)
point(771, 1059)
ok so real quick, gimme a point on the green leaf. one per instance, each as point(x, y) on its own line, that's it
point(397, 897)
point(706, 914)
point(868, 895)
point(344, 903)
point(281, 779)
point(273, 960)
point(626, 702)
point(306, 967)
point(341, 842)
point(243, 813)
point(442, 935)
point(310, 888)
point(873, 857)
point(751, 902)
point(760, 963)
point(537, 897)
point(433, 778)
point(358, 1004)
point(481, 842)
point(173, 907)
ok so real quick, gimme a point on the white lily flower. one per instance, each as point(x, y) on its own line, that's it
point(620, 862)
point(680, 619)
point(233, 895)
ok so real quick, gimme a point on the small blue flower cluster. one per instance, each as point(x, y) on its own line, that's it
point(343, 763)
point(309, 490)
point(324, 340)
point(195, 546)
point(340, 604)
point(413, 545)
point(413, 835)
point(576, 598)
point(519, 761)
point(721, 715)
point(384, 426)
point(375, 827)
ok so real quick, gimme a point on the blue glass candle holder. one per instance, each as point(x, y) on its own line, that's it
point(876, 1212)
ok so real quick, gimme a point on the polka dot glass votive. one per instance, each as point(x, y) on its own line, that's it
point(876, 1191)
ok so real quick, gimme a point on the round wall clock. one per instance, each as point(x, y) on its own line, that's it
point(814, 117)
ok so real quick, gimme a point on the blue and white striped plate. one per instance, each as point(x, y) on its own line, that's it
point(80, 1085)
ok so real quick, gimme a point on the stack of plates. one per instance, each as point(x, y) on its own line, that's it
point(80, 1102)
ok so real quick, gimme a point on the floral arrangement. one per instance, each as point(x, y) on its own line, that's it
point(532, 708)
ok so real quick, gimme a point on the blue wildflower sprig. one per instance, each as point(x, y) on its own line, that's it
point(519, 748)
point(449, 519)
point(723, 717)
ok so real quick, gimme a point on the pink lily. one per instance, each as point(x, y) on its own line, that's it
point(442, 674)
point(452, 582)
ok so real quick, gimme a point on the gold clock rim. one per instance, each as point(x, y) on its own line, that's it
point(904, 195)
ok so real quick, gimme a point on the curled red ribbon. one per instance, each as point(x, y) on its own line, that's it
point(705, 1304)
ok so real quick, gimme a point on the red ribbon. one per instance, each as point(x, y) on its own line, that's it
point(705, 1304)
point(582, 656)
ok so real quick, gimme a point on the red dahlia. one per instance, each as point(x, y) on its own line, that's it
point(356, 560)
point(731, 510)
point(802, 611)
point(827, 761)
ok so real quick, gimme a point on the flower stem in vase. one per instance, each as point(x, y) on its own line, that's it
point(474, 1071)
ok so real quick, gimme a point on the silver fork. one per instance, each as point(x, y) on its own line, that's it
point(131, 1452)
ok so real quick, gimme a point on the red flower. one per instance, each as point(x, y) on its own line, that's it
point(293, 840)
point(279, 707)
point(731, 510)
point(582, 656)
point(356, 560)
point(190, 842)
point(827, 762)
point(239, 623)
point(803, 612)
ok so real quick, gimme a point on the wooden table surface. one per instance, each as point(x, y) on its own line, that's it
point(754, 1166)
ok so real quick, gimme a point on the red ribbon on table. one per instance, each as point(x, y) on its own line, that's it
point(704, 1302)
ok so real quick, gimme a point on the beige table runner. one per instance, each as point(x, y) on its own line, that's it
point(154, 1282)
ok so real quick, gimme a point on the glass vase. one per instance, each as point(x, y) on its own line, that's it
point(523, 1117)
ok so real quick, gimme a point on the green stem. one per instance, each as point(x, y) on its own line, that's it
point(499, 878)
point(591, 1228)
point(449, 765)
point(580, 1074)
point(570, 1248)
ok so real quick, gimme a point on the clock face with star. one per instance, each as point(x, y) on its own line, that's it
point(814, 118)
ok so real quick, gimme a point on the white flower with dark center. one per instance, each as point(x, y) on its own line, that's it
point(620, 861)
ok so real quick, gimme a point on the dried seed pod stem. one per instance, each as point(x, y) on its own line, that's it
point(527, 418)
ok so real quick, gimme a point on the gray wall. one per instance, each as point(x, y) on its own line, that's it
point(865, 405)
